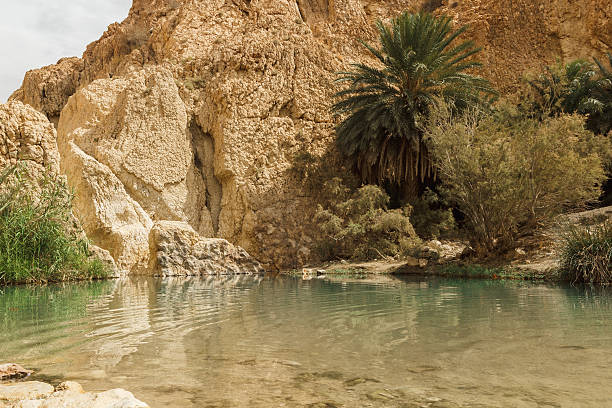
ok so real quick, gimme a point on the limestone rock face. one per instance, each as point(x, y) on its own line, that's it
point(194, 111)
point(176, 249)
point(109, 216)
point(520, 36)
point(27, 136)
point(48, 89)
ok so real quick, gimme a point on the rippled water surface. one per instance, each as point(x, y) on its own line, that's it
point(264, 342)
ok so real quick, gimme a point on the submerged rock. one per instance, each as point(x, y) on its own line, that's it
point(176, 249)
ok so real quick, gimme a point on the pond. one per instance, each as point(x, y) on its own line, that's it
point(283, 342)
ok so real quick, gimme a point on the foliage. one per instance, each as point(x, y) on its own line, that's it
point(38, 241)
point(508, 173)
point(586, 255)
point(385, 106)
point(576, 87)
point(430, 216)
point(358, 225)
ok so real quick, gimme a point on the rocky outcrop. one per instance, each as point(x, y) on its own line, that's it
point(26, 136)
point(35, 394)
point(48, 89)
point(193, 111)
point(176, 249)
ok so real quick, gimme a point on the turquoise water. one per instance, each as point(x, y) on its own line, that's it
point(284, 342)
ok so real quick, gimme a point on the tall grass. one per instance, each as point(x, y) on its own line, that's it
point(38, 239)
point(586, 256)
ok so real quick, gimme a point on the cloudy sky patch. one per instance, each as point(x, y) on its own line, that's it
point(36, 33)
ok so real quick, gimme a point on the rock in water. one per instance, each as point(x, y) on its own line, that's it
point(176, 249)
point(12, 371)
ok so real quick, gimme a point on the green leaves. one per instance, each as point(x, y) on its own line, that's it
point(38, 242)
point(576, 87)
point(385, 106)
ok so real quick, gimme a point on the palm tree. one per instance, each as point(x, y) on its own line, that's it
point(576, 87)
point(385, 106)
point(600, 104)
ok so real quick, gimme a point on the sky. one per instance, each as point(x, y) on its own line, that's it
point(36, 33)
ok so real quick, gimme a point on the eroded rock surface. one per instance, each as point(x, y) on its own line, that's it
point(176, 249)
point(27, 136)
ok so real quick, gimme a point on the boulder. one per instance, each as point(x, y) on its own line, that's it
point(176, 249)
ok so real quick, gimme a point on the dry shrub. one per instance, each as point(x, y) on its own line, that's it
point(508, 173)
point(358, 225)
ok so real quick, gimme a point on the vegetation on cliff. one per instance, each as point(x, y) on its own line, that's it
point(38, 241)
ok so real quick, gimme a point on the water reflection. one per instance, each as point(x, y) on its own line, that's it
point(253, 341)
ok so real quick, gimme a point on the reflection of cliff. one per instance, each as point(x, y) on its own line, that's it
point(193, 110)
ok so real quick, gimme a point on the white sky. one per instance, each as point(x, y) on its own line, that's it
point(35, 33)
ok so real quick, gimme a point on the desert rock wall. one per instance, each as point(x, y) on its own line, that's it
point(193, 111)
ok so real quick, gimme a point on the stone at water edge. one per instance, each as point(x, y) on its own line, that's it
point(24, 391)
point(177, 250)
point(11, 371)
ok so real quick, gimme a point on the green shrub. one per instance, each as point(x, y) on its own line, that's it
point(430, 216)
point(586, 255)
point(38, 241)
point(358, 225)
point(508, 173)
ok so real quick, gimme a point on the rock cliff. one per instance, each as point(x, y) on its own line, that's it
point(193, 111)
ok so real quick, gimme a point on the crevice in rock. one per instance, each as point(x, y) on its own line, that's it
point(314, 10)
point(203, 147)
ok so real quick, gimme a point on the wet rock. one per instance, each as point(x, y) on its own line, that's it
point(12, 371)
point(24, 391)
